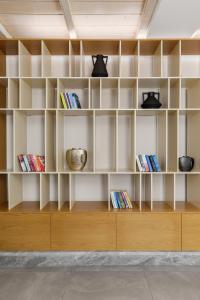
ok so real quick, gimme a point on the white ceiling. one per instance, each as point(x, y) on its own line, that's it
point(175, 18)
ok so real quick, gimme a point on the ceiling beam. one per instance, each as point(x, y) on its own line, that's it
point(65, 5)
point(4, 33)
point(148, 11)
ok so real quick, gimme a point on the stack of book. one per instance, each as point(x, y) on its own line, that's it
point(148, 163)
point(31, 163)
point(70, 100)
point(120, 199)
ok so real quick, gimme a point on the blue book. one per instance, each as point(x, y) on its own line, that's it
point(76, 98)
point(149, 163)
point(156, 163)
point(114, 203)
point(72, 100)
point(117, 199)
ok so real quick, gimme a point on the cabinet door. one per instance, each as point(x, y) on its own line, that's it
point(83, 232)
point(149, 232)
point(191, 232)
point(24, 232)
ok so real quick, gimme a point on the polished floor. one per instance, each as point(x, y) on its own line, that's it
point(101, 283)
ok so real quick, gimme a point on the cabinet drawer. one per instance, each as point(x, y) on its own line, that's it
point(149, 232)
point(190, 232)
point(24, 232)
point(83, 232)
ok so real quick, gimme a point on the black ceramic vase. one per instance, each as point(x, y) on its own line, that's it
point(151, 100)
point(99, 64)
point(186, 163)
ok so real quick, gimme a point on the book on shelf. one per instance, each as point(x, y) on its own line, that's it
point(120, 199)
point(148, 163)
point(31, 163)
point(70, 100)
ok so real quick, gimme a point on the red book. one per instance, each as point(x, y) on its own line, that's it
point(40, 165)
point(33, 159)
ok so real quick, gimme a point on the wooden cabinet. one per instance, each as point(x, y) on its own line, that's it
point(24, 232)
point(149, 232)
point(83, 231)
point(191, 232)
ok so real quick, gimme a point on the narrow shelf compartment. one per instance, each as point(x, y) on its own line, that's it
point(75, 69)
point(151, 135)
point(80, 86)
point(55, 56)
point(95, 93)
point(109, 93)
point(187, 192)
point(146, 192)
point(29, 134)
point(128, 93)
point(129, 59)
point(75, 130)
point(189, 140)
point(4, 185)
point(129, 183)
point(13, 93)
point(172, 145)
point(105, 141)
point(153, 85)
point(89, 192)
point(171, 58)
point(32, 93)
point(104, 47)
point(50, 136)
point(190, 58)
point(190, 93)
point(150, 59)
point(174, 92)
point(126, 141)
point(30, 62)
point(64, 203)
point(49, 192)
point(9, 63)
point(51, 93)
point(6, 145)
point(163, 197)
point(4, 93)
point(24, 192)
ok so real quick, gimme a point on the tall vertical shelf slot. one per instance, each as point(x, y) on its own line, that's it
point(30, 58)
point(129, 59)
point(190, 58)
point(9, 58)
point(55, 58)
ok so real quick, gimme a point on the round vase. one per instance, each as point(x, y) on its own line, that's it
point(76, 158)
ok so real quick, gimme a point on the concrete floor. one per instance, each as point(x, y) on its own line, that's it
point(101, 283)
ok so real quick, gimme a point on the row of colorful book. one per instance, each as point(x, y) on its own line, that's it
point(70, 100)
point(31, 163)
point(120, 199)
point(147, 163)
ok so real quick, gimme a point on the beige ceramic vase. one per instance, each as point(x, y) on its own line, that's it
point(76, 158)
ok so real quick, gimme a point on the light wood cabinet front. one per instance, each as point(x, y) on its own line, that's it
point(83, 232)
point(191, 232)
point(24, 232)
point(149, 232)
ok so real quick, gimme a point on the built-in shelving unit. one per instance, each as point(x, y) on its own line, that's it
point(111, 125)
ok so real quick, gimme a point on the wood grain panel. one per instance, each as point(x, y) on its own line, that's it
point(191, 232)
point(30, 7)
point(83, 232)
point(24, 232)
point(149, 232)
point(3, 188)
